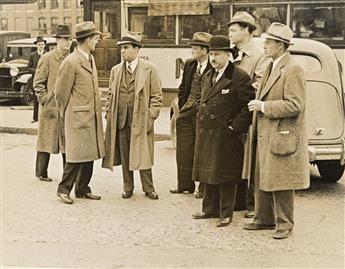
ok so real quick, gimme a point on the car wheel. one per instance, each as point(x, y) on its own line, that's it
point(330, 171)
point(27, 94)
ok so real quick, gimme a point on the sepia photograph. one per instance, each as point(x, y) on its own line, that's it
point(172, 134)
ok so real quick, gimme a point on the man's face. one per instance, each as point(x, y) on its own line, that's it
point(129, 52)
point(219, 58)
point(40, 46)
point(64, 43)
point(198, 52)
point(92, 42)
point(271, 48)
point(237, 33)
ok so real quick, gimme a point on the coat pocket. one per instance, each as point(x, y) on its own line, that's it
point(82, 117)
point(283, 142)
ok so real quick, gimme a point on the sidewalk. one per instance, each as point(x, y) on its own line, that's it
point(17, 120)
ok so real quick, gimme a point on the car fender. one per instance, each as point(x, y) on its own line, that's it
point(24, 78)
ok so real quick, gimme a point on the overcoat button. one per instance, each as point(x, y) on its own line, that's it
point(210, 132)
point(212, 117)
point(203, 104)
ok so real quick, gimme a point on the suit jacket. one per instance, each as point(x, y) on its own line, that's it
point(33, 62)
point(79, 103)
point(282, 142)
point(187, 77)
point(218, 156)
point(147, 103)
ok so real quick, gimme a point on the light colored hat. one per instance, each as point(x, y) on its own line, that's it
point(200, 39)
point(243, 17)
point(280, 32)
point(130, 38)
point(85, 29)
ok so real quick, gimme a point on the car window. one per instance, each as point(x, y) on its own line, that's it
point(309, 63)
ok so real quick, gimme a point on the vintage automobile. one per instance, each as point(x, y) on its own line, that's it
point(15, 79)
point(325, 110)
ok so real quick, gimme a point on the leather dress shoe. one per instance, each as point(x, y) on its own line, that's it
point(202, 215)
point(249, 214)
point(33, 121)
point(46, 179)
point(222, 222)
point(127, 194)
point(152, 195)
point(282, 234)
point(199, 195)
point(65, 198)
point(88, 196)
point(255, 227)
point(180, 191)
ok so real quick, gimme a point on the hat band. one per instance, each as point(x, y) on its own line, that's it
point(276, 36)
point(126, 38)
point(81, 33)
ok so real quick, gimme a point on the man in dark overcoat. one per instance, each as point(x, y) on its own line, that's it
point(280, 141)
point(50, 139)
point(188, 102)
point(34, 57)
point(222, 119)
point(79, 103)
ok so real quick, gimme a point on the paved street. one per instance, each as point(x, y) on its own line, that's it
point(37, 230)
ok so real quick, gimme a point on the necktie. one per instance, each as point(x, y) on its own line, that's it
point(90, 60)
point(129, 68)
point(199, 70)
point(270, 67)
point(214, 77)
point(235, 53)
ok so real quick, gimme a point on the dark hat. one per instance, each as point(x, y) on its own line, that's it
point(243, 17)
point(63, 30)
point(40, 39)
point(200, 39)
point(85, 29)
point(130, 38)
point(220, 42)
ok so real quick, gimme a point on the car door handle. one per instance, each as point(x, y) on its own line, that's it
point(319, 131)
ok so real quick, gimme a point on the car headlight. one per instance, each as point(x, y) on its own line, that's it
point(14, 71)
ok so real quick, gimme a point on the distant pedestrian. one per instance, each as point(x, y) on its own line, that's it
point(188, 102)
point(79, 103)
point(134, 101)
point(222, 119)
point(34, 57)
point(280, 142)
point(50, 138)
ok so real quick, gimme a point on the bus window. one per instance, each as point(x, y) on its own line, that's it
point(307, 62)
point(153, 29)
point(319, 21)
point(264, 15)
point(213, 23)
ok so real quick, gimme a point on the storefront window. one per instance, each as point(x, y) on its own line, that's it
point(264, 15)
point(212, 23)
point(54, 4)
point(153, 29)
point(54, 24)
point(319, 21)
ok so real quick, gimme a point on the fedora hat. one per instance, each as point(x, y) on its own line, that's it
point(85, 29)
point(280, 32)
point(200, 39)
point(130, 38)
point(40, 39)
point(220, 42)
point(243, 17)
point(63, 30)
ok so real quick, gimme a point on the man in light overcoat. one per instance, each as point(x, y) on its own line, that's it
point(50, 138)
point(280, 141)
point(222, 119)
point(79, 103)
point(134, 101)
point(250, 57)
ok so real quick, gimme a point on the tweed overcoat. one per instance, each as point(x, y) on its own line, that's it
point(282, 142)
point(78, 100)
point(50, 125)
point(147, 103)
point(218, 156)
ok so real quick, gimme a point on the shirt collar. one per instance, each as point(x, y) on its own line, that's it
point(203, 65)
point(221, 71)
point(85, 55)
point(133, 64)
point(276, 61)
point(247, 47)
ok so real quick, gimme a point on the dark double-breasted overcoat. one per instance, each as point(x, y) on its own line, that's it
point(218, 156)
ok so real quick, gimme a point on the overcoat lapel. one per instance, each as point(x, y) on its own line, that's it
point(141, 75)
point(221, 83)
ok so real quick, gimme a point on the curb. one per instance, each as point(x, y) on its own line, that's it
point(33, 131)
